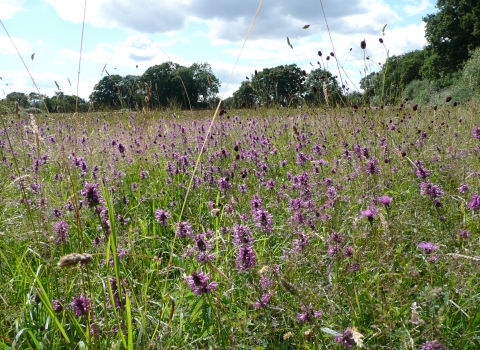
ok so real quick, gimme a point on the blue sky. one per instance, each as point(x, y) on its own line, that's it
point(125, 33)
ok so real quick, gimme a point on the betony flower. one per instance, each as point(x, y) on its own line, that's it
point(80, 305)
point(61, 230)
point(474, 202)
point(307, 314)
point(162, 216)
point(198, 283)
point(90, 192)
point(433, 345)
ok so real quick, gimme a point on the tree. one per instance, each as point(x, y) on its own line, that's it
point(19, 97)
point(108, 92)
point(281, 84)
point(245, 93)
point(206, 82)
point(318, 81)
point(453, 33)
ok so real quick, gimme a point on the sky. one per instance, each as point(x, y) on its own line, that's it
point(127, 37)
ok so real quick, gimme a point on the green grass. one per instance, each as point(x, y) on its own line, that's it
point(146, 263)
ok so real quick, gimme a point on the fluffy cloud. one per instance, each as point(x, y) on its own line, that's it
point(7, 48)
point(9, 8)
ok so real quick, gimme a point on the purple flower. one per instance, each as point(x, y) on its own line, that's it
point(263, 220)
point(198, 283)
point(184, 229)
point(432, 345)
point(61, 230)
point(427, 247)
point(385, 200)
point(347, 251)
point(90, 192)
point(224, 184)
point(476, 132)
point(162, 216)
point(241, 235)
point(116, 299)
point(80, 305)
point(203, 247)
point(246, 259)
point(255, 203)
point(464, 188)
point(346, 339)
point(369, 213)
point(372, 166)
point(434, 191)
point(465, 234)
point(421, 171)
point(474, 202)
point(263, 300)
point(308, 313)
point(57, 306)
point(336, 237)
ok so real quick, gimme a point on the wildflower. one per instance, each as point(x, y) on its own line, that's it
point(224, 184)
point(380, 40)
point(434, 191)
point(427, 247)
point(198, 283)
point(421, 171)
point(202, 247)
point(61, 230)
point(162, 216)
point(464, 188)
point(385, 200)
point(241, 235)
point(184, 229)
point(116, 299)
point(474, 202)
point(372, 166)
point(80, 305)
point(415, 107)
point(346, 339)
point(336, 237)
point(121, 149)
point(369, 213)
point(57, 306)
point(308, 313)
point(263, 220)
point(433, 345)
point(448, 98)
point(246, 259)
point(476, 132)
point(347, 251)
point(263, 300)
point(465, 234)
point(90, 192)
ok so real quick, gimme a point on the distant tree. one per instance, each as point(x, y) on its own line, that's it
point(108, 92)
point(315, 82)
point(245, 94)
point(281, 84)
point(19, 97)
point(206, 82)
point(129, 90)
point(453, 33)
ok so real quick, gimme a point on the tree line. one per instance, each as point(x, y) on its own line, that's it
point(448, 64)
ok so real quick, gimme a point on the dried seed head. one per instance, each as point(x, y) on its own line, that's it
point(448, 99)
point(332, 54)
point(306, 26)
point(320, 53)
point(363, 44)
point(74, 258)
point(357, 336)
point(381, 40)
point(415, 107)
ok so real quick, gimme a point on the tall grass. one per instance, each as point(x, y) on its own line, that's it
point(371, 276)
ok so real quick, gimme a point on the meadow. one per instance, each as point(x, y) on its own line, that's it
point(293, 229)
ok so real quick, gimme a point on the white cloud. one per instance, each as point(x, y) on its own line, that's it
point(417, 7)
point(134, 50)
point(9, 8)
point(7, 48)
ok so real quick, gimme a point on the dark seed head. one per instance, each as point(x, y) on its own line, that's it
point(363, 44)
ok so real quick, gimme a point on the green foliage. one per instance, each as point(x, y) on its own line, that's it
point(281, 85)
point(319, 80)
point(107, 93)
point(20, 98)
point(245, 94)
point(452, 34)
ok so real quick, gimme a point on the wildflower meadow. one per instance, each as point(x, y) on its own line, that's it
point(264, 229)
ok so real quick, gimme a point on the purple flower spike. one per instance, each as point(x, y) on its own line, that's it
point(474, 202)
point(198, 283)
point(162, 216)
point(80, 305)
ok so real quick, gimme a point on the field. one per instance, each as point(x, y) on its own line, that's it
point(264, 229)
